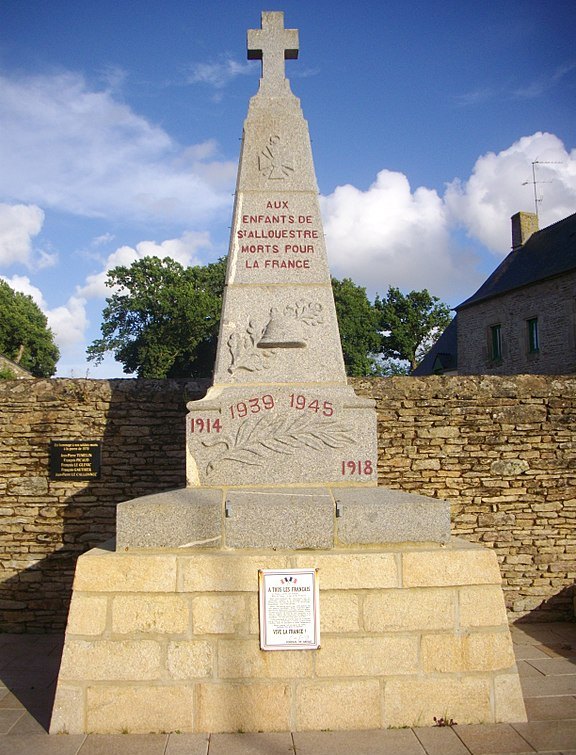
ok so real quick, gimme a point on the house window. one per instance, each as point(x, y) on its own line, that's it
point(496, 343)
point(533, 339)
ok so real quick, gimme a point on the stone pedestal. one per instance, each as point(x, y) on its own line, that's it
point(168, 641)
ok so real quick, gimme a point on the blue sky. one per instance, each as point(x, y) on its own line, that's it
point(120, 125)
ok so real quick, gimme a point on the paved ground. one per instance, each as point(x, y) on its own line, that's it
point(546, 655)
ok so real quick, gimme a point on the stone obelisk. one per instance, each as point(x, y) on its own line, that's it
point(279, 412)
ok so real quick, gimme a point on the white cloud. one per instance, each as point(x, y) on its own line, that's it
point(389, 235)
point(501, 184)
point(184, 250)
point(69, 322)
point(23, 285)
point(103, 159)
point(18, 225)
point(218, 73)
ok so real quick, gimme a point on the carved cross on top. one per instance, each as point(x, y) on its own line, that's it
point(272, 44)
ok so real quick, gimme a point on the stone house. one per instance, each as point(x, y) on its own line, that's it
point(522, 320)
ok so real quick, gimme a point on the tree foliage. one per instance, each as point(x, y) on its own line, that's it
point(410, 323)
point(24, 333)
point(358, 323)
point(162, 321)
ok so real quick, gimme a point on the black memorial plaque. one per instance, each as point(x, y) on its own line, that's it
point(75, 459)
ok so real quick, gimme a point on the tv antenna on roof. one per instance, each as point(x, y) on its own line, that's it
point(535, 183)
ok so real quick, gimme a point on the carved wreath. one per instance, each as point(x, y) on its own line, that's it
point(256, 441)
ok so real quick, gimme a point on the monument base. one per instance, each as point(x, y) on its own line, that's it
point(161, 641)
point(282, 517)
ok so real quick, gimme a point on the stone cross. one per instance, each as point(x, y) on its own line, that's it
point(272, 44)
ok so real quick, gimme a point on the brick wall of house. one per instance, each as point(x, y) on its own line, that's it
point(501, 450)
point(553, 302)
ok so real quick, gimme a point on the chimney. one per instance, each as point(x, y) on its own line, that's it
point(524, 224)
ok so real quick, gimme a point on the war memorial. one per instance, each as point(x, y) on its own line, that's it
point(282, 589)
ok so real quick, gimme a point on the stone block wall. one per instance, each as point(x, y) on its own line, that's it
point(502, 450)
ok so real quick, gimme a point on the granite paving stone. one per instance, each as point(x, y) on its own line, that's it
point(546, 686)
point(8, 717)
point(251, 744)
point(544, 735)
point(381, 741)
point(41, 744)
point(121, 744)
point(527, 652)
point(29, 724)
point(525, 668)
point(187, 744)
point(550, 708)
point(559, 650)
point(554, 666)
point(441, 740)
point(489, 739)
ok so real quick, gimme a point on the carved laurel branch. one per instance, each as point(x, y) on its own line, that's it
point(245, 353)
point(256, 441)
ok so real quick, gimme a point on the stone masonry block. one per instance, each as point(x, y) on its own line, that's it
point(109, 660)
point(244, 659)
point(243, 707)
point(482, 605)
point(479, 651)
point(508, 699)
point(68, 711)
point(150, 613)
point(104, 571)
point(282, 518)
point(367, 656)
point(352, 571)
point(472, 565)
point(489, 651)
point(219, 614)
point(415, 701)
point(225, 573)
point(340, 611)
point(382, 515)
point(407, 610)
point(176, 519)
point(441, 653)
point(190, 659)
point(114, 710)
point(338, 705)
point(87, 614)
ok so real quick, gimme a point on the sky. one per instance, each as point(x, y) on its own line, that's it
point(120, 127)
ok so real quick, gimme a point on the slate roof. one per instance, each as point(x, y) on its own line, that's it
point(546, 254)
point(442, 356)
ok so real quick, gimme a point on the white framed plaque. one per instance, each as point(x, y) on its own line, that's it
point(289, 609)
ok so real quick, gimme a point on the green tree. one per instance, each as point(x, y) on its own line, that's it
point(410, 323)
point(358, 322)
point(24, 333)
point(162, 321)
